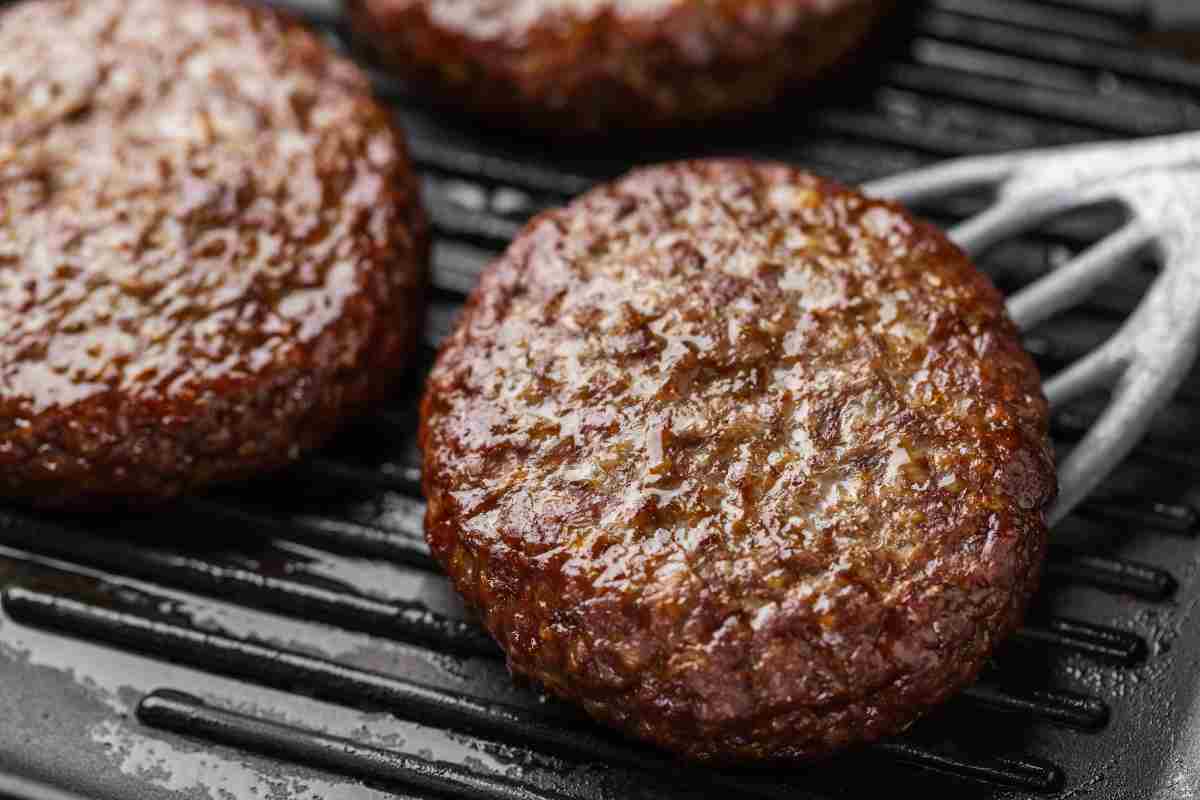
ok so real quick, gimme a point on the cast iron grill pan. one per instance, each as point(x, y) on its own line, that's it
point(292, 637)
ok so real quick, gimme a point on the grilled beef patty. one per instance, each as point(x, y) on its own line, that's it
point(211, 248)
point(750, 465)
point(592, 65)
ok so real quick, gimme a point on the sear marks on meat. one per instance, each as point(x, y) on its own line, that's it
point(751, 466)
point(211, 247)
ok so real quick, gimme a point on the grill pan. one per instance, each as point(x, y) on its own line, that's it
point(292, 638)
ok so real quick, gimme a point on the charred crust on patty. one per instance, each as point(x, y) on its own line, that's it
point(590, 66)
point(750, 465)
point(211, 247)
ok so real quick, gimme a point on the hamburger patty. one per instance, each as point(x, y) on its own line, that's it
point(590, 65)
point(750, 465)
point(211, 246)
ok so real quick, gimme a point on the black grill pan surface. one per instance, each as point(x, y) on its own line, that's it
point(293, 638)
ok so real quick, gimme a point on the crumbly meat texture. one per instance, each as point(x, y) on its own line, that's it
point(587, 66)
point(211, 247)
point(751, 466)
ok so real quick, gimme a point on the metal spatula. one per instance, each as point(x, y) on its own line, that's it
point(1158, 180)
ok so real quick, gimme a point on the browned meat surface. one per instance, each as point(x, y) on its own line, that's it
point(591, 65)
point(751, 466)
point(211, 248)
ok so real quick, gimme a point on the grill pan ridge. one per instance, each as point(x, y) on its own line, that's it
point(292, 638)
